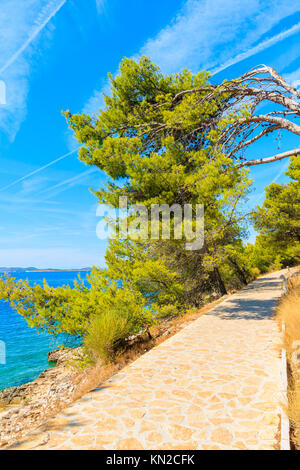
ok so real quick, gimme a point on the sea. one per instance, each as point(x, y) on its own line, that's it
point(23, 351)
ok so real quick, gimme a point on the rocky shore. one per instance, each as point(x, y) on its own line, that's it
point(25, 407)
point(28, 406)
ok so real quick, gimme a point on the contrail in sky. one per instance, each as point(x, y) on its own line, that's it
point(70, 180)
point(32, 37)
point(38, 170)
point(259, 48)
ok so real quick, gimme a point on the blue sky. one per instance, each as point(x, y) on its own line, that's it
point(56, 54)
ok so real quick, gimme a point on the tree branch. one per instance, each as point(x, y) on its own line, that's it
point(279, 156)
point(255, 138)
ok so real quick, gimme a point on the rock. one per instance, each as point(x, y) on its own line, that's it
point(62, 356)
point(25, 407)
point(168, 332)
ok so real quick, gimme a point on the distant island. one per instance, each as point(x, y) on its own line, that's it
point(31, 269)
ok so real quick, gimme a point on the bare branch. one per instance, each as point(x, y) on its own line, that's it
point(258, 86)
point(280, 80)
point(281, 122)
point(266, 131)
point(274, 158)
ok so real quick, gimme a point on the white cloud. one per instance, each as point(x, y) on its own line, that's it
point(296, 83)
point(47, 13)
point(95, 102)
point(100, 5)
point(208, 33)
point(293, 78)
point(32, 185)
point(37, 170)
point(69, 183)
point(214, 34)
point(20, 25)
point(259, 48)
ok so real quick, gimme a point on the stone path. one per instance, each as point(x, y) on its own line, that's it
point(214, 385)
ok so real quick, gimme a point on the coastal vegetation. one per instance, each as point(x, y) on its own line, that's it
point(288, 314)
point(278, 222)
point(174, 139)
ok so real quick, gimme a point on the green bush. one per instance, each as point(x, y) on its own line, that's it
point(106, 335)
point(108, 330)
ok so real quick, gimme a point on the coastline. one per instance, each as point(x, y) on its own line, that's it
point(26, 348)
point(20, 394)
point(26, 406)
point(58, 271)
point(49, 270)
point(59, 386)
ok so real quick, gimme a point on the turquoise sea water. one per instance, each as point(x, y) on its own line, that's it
point(26, 350)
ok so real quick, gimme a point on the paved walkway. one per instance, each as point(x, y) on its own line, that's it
point(214, 385)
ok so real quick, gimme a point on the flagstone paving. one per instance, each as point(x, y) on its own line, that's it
point(216, 384)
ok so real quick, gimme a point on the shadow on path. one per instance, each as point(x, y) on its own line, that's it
point(244, 306)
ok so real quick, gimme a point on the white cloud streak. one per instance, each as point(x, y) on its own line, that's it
point(100, 5)
point(38, 170)
point(32, 36)
point(293, 77)
point(212, 35)
point(259, 48)
point(208, 33)
point(69, 182)
point(21, 24)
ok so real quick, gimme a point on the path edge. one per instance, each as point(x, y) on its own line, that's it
point(285, 423)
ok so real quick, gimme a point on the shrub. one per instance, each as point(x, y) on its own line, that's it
point(255, 272)
point(108, 330)
point(289, 312)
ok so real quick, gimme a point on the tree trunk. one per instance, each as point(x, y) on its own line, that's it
point(219, 281)
point(239, 271)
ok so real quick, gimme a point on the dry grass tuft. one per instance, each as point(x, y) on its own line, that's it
point(289, 313)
